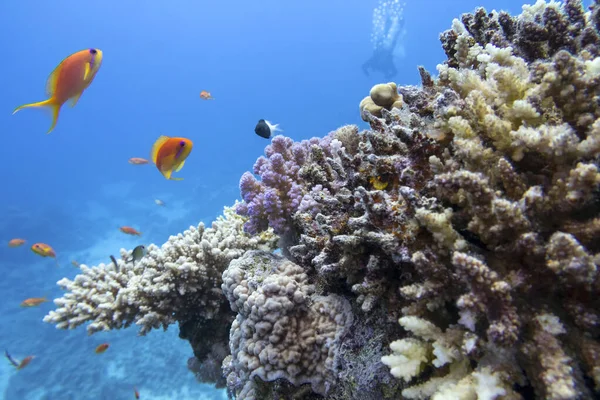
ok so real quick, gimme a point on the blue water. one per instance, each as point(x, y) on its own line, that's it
point(296, 63)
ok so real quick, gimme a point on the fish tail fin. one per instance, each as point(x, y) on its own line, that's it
point(46, 103)
point(10, 359)
point(274, 128)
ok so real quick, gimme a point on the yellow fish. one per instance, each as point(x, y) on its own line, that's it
point(377, 183)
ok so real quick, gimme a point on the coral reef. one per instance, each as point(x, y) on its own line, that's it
point(478, 199)
point(177, 282)
point(469, 213)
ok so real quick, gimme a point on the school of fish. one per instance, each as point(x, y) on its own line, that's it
point(66, 83)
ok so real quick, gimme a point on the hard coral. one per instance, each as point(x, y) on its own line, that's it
point(382, 96)
point(479, 199)
point(177, 282)
point(282, 330)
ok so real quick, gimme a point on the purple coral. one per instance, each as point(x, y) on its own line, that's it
point(272, 201)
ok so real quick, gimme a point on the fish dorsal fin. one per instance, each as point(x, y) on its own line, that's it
point(180, 166)
point(156, 147)
point(75, 99)
point(51, 82)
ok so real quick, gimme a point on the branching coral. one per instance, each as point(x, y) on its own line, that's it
point(172, 283)
point(479, 198)
point(453, 349)
point(177, 282)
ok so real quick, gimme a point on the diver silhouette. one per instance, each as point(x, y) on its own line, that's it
point(382, 59)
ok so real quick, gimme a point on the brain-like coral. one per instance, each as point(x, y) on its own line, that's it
point(282, 330)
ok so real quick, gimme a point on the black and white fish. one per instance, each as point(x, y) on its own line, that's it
point(266, 129)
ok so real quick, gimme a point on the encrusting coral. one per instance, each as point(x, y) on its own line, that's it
point(469, 212)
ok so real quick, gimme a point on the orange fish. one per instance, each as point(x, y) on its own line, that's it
point(18, 365)
point(204, 95)
point(136, 393)
point(68, 81)
point(138, 161)
point(101, 348)
point(44, 250)
point(33, 301)
point(16, 242)
point(25, 362)
point(130, 231)
point(169, 154)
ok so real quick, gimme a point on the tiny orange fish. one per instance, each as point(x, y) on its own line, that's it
point(16, 242)
point(68, 81)
point(44, 250)
point(136, 393)
point(205, 95)
point(169, 154)
point(101, 348)
point(33, 301)
point(138, 161)
point(25, 362)
point(130, 231)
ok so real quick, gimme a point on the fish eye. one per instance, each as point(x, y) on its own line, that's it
point(182, 143)
point(93, 51)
